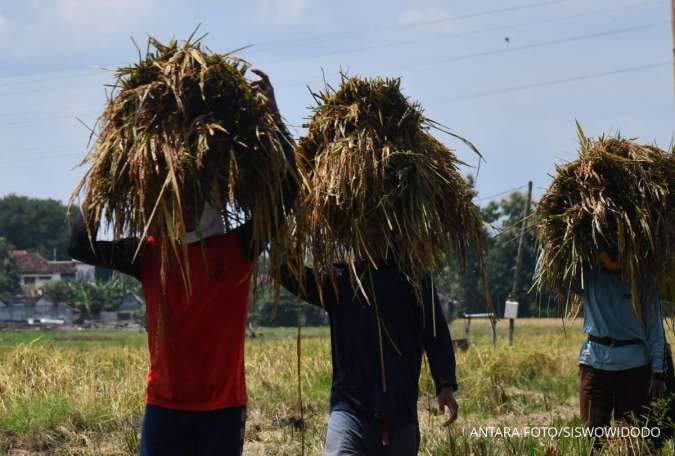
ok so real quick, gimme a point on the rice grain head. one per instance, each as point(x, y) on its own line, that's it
point(618, 196)
point(378, 185)
point(181, 128)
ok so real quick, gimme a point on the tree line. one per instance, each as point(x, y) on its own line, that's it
point(41, 226)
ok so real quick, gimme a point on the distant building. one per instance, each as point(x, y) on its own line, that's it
point(24, 308)
point(35, 271)
point(131, 304)
point(129, 308)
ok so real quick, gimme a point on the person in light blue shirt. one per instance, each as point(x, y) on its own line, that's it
point(622, 362)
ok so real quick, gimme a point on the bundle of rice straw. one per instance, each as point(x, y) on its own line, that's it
point(183, 127)
point(369, 164)
point(618, 196)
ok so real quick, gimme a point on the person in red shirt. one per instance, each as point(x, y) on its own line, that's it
point(196, 387)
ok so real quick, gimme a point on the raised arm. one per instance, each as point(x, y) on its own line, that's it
point(289, 188)
point(244, 232)
point(117, 255)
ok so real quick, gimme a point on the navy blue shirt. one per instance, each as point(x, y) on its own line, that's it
point(376, 367)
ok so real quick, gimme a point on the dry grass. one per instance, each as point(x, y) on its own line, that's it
point(84, 396)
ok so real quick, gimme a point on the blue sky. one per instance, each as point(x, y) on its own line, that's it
point(603, 62)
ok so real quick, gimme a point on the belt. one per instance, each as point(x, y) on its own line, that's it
point(613, 342)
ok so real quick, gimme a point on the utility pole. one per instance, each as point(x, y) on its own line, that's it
point(519, 257)
point(672, 27)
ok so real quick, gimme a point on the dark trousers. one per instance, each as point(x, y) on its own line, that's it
point(625, 393)
point(176, 433)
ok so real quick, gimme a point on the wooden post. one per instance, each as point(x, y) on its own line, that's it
point(512, 326)
point(519, 257)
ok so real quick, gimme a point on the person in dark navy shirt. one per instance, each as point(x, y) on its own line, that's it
point(377, 343)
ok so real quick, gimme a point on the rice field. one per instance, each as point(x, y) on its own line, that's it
point(81, 392)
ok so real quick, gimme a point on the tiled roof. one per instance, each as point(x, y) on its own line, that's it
point(31, 263)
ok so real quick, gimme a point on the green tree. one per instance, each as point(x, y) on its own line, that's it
point(504, 219)
point(288, 310)
point(91, 298)
point(58, 291)
point(9, 280)
point(37, 225)
point(86, 298)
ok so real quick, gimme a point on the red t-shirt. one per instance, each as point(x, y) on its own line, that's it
point(197, 358)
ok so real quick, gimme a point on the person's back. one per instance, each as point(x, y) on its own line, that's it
point(196, 394)
point(623, 358)
point(196, 337)
point(196, 389)
point(609, 312)
point(377, 344)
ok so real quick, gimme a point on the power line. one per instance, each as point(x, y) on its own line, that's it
point(51, 89)
point(466, 96)
point(320, 40)
point(39, 158)
point(392, 44)
point(50, 147)
point(362, 49)
point(41, 111)
point(467, 56)
point(511, 190)
point(50, 76)
point(434, 62)
point(541, 44)
point(290, 44)
point(469, 95)
point(486, 93)
point(42, 119)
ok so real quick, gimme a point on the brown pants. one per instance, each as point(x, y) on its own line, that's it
point(624, 392)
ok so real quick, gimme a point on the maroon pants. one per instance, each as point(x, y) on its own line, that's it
point(601, 392)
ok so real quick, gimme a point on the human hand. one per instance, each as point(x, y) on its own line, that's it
point(264, 86)
point(658, 389)
point(446, 399)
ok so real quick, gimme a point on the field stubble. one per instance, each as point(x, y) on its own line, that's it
point(82, 393)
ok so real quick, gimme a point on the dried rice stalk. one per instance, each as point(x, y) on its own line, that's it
point(183, 127)
point(618, 196)
point(369, 163)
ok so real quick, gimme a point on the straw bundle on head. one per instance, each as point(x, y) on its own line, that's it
point(617, 197)
point(183, 127)
point(378, 185)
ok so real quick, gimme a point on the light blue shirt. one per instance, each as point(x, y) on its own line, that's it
point(609, 312)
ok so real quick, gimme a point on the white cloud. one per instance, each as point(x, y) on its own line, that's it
point(42, 26)
point(3, 22)
point(87, 11)
point(424, 14)
point(281, 12)
point(99, 16)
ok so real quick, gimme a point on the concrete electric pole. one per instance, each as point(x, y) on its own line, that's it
point(515, 290)
point(672, 27)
